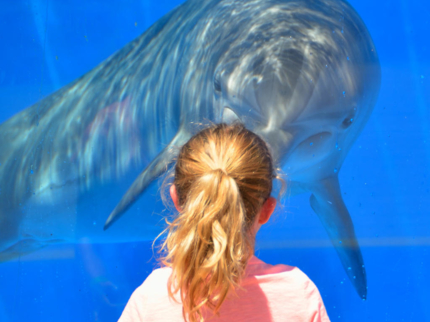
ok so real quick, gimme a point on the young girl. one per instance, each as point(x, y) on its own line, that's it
point(221, 189)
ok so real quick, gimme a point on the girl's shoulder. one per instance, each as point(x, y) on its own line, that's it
point(153, 283)
point(278, 276)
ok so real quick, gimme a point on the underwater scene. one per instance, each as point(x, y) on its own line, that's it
point(97, 96)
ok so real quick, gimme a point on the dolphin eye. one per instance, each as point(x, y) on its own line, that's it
point(346, 123)
point(217, 85)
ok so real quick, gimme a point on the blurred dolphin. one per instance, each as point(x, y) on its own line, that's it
point(302, 74)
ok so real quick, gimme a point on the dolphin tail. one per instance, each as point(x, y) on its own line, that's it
point(157, 167)
point(9, 232)
point(21, 248)
point(326, 200)
point(24, 247)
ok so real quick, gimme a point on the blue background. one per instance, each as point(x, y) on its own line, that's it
point(44, 45)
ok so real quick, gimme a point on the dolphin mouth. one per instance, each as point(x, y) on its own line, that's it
point(312, 142)
point(317, 138)
point(310, 151)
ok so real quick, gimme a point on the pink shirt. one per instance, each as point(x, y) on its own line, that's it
point(274, 293)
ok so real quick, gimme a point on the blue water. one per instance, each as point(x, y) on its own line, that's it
point(384, 179)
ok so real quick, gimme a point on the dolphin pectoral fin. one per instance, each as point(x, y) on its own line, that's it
point(158, 166)
point(328, 204)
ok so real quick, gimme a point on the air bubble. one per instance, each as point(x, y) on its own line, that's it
point(335, 170)
point(311, 143)
point(343, 93)
point(349, 268)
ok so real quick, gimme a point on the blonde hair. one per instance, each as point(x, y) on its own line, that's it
point(223, 175)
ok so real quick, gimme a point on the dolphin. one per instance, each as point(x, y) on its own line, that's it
point(302, 74)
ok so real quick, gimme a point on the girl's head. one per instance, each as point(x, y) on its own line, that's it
point(222, 185)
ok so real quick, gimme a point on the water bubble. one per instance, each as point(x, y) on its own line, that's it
point(325, 65)
point(347, 57)
point(335, 170)
point(362, 266)
point(354, 277)
point(343, 93)
point(340, 242)
point(31, 171)
point(94, 223)
point(349, 268)
point(311, 143)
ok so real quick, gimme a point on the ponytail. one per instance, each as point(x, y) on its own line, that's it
point(222, 177)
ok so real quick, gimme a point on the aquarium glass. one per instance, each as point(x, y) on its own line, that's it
point(385, 178)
